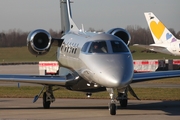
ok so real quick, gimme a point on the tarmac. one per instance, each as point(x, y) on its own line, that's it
point(80, 109)
point(87, 109)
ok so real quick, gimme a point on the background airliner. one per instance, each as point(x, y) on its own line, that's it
point(110, 68)
point(165, 41)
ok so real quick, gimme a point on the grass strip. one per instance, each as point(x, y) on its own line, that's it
point(21, 54)
point(143, 93)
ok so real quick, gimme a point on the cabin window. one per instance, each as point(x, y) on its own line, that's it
point(65, 49)
point(118, 46)
point(62, 47)
point(98, 47)
point(75, 50)
point(72, 50)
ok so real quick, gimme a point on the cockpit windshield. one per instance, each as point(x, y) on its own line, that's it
point(98, 47)
point(118, 46)
point(105, 47)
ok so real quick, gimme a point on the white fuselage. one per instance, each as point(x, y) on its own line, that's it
point(104, 69)
point(172, 48)
point(175, 48)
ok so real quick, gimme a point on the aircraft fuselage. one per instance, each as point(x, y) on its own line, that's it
point(111, 68)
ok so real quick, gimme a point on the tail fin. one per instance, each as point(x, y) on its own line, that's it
point(159, 32)
point(67, 24)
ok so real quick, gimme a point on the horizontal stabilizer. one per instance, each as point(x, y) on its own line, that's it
point(150, 47)
point(154, 47)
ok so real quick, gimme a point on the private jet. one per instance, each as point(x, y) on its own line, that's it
point(97, 61)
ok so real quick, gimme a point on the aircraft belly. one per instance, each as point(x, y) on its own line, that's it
point(85, 86)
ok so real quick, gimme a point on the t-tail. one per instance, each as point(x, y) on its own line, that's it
point(67, 24)
point(160, 33)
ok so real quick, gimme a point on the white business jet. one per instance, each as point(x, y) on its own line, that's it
point(97, 61)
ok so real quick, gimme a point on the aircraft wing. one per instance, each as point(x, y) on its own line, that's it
point(141, 77)
point(39, 79)
point(70, 79)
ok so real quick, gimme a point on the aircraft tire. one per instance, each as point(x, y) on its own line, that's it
point(46, 104)
point(113, 109)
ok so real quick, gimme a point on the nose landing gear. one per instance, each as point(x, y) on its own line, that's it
point(112, 105)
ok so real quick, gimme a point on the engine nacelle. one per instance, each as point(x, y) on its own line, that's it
point(121, 33)
point(39, 42)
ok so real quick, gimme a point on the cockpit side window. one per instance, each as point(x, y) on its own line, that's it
point(98, 47)
point(118, 46)
point(85, 46)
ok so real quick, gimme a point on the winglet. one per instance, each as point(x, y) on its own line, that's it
point(67, 24)
point(158, 30)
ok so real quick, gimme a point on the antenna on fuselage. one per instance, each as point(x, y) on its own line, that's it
point(82, 28)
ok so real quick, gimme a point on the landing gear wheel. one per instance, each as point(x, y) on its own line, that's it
point(112, 109)
point(123, 102)
point(46, 104)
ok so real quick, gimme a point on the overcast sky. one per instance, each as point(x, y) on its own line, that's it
point(27, 15)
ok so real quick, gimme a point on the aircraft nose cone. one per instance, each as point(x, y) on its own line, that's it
point(110, 70)
point(120, 76)
point(119, 71)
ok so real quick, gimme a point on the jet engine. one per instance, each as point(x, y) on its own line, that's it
point(122, 34)
point(39, 42)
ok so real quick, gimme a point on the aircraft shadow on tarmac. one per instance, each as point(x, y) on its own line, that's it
point(5, 101)
point(171, 108)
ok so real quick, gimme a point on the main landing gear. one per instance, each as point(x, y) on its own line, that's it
point(48, 96)
point(123, 100)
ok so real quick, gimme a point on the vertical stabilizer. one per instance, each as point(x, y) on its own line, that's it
point(159, 32)
point(67, 24)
